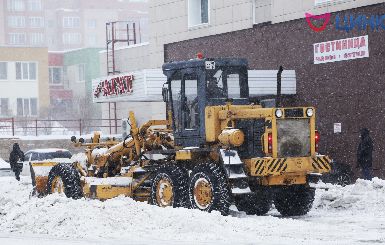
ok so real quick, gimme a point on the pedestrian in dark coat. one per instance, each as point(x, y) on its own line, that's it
point(15, 159)
point(364, 154)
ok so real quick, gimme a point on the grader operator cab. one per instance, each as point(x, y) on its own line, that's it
point(214, 149)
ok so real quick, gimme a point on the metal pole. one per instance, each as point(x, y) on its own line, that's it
point(139, 32)
point(109, 116)
point(116, 119)
point(13, 126)
point(128, 34)
point(134, 30)
point(80, 127)
point(36, 127)
point(113, 47)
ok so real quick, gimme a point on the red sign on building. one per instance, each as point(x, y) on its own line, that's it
point(112, 87)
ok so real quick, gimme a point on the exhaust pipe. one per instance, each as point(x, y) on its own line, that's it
point(279, 85)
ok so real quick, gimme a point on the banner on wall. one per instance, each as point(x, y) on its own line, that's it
point(340, 50)
point(112, 87)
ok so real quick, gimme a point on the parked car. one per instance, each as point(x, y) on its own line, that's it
point(5, 168)
point(40, 155)
point(341, 174)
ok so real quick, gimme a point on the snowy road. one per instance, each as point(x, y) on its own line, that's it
point(351, 215)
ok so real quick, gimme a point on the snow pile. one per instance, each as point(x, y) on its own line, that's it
point(332, 220)
point(360, 196)
point(4, 164)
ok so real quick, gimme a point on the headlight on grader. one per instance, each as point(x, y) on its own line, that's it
point(309, 112)
point(278, 113)
point(232, 137)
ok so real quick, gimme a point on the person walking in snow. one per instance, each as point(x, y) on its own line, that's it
point(364, 154)
point(15, 159)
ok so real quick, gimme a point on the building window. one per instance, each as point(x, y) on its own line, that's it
point(55, 76)
point(36, 38)
point(26, 70)
point(71, 22)
point(17, 38)
point(4, 106)
point(16, 21)
point(34, 5)
point(91, 24)
point(51, 23)
point(27, 107)
point(15, 5)
point(92, 40)
point(71, 38)
point(198, 12)
point(82, 72)
point(3, 70)
point(33, 104)
point(36, 22)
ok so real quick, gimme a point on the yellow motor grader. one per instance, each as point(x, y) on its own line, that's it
point(214, 149)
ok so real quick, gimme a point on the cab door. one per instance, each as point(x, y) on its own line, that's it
point(188, 109)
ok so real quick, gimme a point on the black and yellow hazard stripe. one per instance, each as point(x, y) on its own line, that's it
point(259, 166)
point(321, 163)
point(270, 166)
point(277, 165)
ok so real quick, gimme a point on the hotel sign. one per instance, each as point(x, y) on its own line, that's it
point(340, 50)
point(112, 87)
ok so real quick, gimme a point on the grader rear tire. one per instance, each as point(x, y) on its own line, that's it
point(294, 200)
point(254, 203)
point(169, 187)
point(208, 189)
point(65, 178)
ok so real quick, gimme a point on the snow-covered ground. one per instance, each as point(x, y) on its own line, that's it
point(341, 215)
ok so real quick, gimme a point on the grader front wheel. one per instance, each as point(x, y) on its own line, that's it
point(208, 189)
point(169, 187)
point(64, 178)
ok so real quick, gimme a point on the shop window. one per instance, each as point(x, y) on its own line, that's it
point(3, 70)
point(4, 106)
point(55, 76)
point(198, 12)
point(27, 107)
point(26, 71)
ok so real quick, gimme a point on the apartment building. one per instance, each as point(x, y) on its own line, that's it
point(65, 24)
point(23, 82)
point(70, 76)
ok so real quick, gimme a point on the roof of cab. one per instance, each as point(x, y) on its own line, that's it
point(177, 65)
